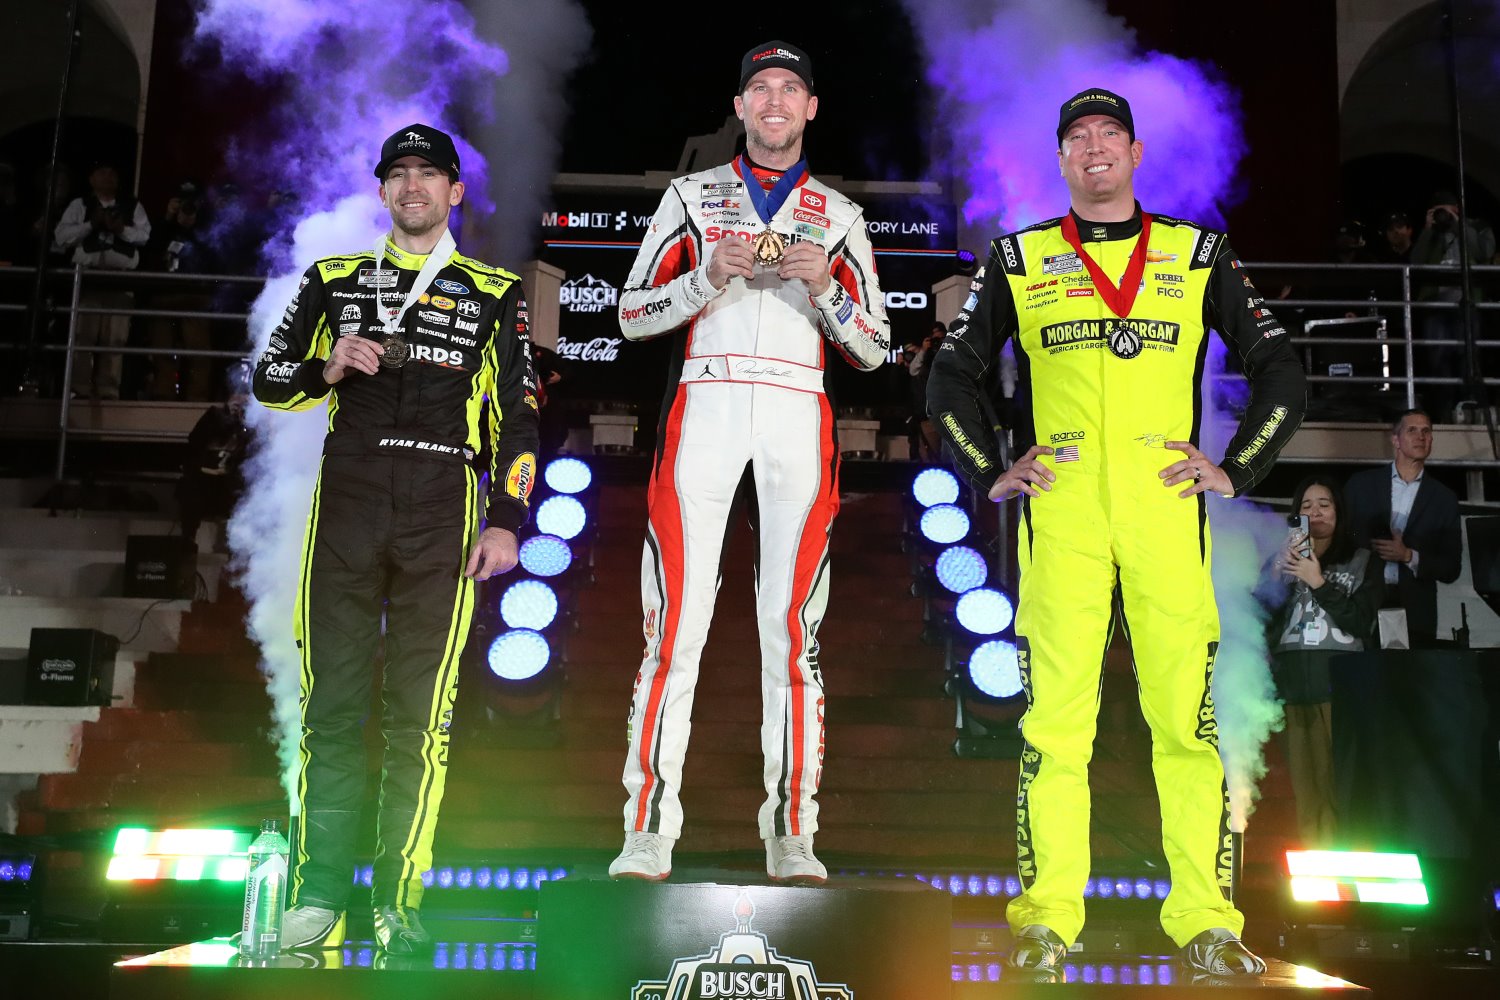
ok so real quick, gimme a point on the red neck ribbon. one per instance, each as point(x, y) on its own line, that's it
point(1120, 300)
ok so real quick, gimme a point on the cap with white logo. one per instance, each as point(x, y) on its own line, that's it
point(433, 145)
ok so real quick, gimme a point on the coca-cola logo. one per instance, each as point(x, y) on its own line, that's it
point(598, 349)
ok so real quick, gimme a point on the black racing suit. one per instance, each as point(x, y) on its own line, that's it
point(394, 516)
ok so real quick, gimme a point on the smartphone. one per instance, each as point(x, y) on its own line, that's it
point(1297, 533)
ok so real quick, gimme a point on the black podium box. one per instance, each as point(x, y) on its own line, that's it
point(70, 666)
point(160, 566)
point(644, 941)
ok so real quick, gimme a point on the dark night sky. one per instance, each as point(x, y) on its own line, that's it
point(637, 98)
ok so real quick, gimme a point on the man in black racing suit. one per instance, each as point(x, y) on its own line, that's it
point(408, 343)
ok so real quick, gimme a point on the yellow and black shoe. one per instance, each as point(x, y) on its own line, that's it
point(1217, 952)
point(399, 931)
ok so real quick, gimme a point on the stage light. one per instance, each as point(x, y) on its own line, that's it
point(568, 475)
point(17, 896)
point(961, 568)
point(984, 611)
point(16, 869)
point(562, 516)
point(995, 669)
point(528, 604)
point(944, 523)
point(545, 555)
point(185, 855)
point(519, 654)
point(965, 262)
point(934, 486)
point(1356, 876)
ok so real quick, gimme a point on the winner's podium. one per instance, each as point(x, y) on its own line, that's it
point(638, 941)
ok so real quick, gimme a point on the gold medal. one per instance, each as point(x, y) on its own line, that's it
point(394, 350)
point(770, 247)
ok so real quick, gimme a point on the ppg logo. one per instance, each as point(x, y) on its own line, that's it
point(906, 300)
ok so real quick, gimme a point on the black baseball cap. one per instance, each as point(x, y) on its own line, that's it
point(773, 53)
point(1095, 101)
point(433, 145)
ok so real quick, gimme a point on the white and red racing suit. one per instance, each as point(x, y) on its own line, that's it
point(746, 392)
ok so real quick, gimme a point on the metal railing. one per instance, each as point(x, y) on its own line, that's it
point(1407, 343)
point(75, 309)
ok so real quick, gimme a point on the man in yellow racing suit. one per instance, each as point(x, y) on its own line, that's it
point(1109, 309)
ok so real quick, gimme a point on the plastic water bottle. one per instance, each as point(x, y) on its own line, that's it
point(265, 893)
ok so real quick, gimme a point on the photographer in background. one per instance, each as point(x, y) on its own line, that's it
point(108, 230)
point(1438, 244)
point(177, 246)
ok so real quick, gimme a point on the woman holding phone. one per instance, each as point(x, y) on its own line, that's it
point(1331, 608)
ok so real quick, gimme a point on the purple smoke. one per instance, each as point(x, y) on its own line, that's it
point(1000, 71)
point(352, 75)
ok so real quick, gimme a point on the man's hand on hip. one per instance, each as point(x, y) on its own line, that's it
point(351, 353)
point(1197, 471)
point(1026, 475)
point(496, 552)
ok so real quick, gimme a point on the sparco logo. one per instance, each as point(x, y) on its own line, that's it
point(588, 294)
point(1010, 253)
point(743, 966)
point(598, 349)
point(1209, 241)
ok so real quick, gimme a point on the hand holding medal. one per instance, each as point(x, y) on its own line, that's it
point(730, 257)
point(807, 261)
point(351, 353)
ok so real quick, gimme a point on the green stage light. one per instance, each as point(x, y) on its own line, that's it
point(1356, 877)
point(182, 855)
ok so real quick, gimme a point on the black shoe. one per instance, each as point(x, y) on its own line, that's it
point(1035, 946)
point(1217, 952)
point(399, 931)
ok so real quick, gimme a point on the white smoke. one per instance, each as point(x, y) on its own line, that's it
point(544, 43)
point(267, 530)
point(1245, 536)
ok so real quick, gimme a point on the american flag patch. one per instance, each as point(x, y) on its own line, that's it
point(1067, 453)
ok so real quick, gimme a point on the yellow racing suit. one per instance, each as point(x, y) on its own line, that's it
point(1106, 393)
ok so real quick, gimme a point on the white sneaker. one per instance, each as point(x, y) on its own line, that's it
point(790, 860)
point(645, 856)
point(304, 927)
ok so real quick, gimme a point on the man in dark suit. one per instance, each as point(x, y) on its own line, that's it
point(1410, 520)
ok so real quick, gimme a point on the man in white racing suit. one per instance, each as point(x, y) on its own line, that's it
point(759, 269)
